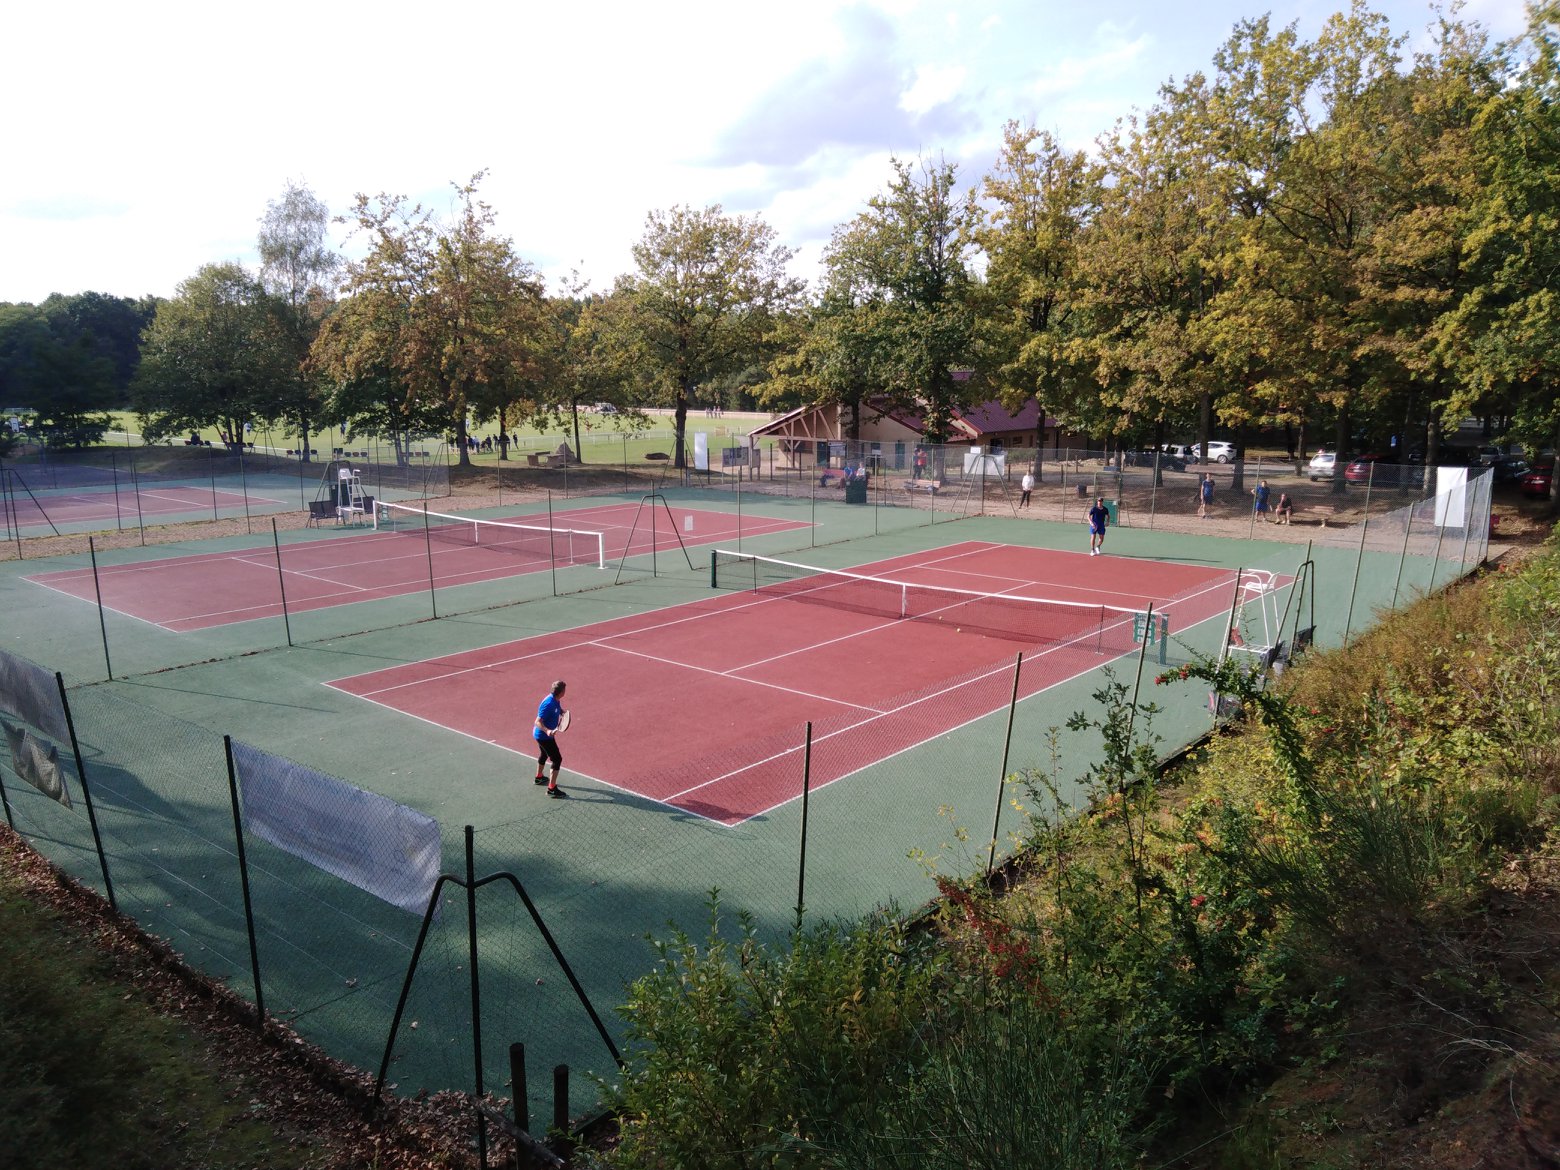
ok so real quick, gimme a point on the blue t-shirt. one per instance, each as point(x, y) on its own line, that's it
point(1261, 494)
point(549, 713)
point(1207, 489)
point(1098, 515)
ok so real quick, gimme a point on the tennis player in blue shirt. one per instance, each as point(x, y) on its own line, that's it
point(1099, 516)
point(543, 731)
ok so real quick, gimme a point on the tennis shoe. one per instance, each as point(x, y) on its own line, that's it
point(556, 792)
point(541, 780)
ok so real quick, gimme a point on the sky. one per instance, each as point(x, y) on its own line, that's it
point(146, 139)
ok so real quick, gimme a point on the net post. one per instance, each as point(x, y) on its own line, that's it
point(1007, 743)
point(243, 881)
point(714, 573)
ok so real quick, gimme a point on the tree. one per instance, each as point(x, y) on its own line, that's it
point(903, 264)
point(70, 360)
point(300, 271)
point(701, 303)
point(217, 354)
point(1502, 334)
point(1039, 204)
point(440, 317)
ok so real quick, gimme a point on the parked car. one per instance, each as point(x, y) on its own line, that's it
point(1220, 452)
point(1509, 470)
point(1183, 451)
point(1148, 456)
point(1536, 482)
point(1324, 465)
point(1382, 471)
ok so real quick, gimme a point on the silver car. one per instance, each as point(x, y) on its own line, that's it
point(1324, 465)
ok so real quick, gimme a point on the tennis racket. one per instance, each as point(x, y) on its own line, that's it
point(563, 723)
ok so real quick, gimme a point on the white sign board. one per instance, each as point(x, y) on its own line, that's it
point(701, 451)
point(1451, 497)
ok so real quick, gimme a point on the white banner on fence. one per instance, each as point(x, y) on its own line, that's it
point(701, 451)
point(977, 462)
point(1451, 497)
point(392, 851)
point(32, 694)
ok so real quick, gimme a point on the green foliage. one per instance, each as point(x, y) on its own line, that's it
point(751, 1052)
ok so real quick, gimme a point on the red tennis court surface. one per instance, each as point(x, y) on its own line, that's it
point(702, 706)
point(128, 506)
point(215, 589)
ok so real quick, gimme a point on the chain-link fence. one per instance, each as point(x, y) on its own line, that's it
point(862, 820)
point(130, 489)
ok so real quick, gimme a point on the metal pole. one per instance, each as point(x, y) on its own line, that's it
point(102, 621)
point(1007, 743)
point(86, 790)
point(1224, 650)
point(517, 1084)
point(243, 877)
point(1354, 586)
point(801, 865)
point(1137, 684)
point(243, 486)
point(281, 580)
point(113, 466)
point(433, 597)
point(476, 990)
point(135, 485)
point(552, 545)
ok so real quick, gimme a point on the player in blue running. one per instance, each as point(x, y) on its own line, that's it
point(547, 716)
point(1099, 517)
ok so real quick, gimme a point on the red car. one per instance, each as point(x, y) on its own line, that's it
point(1380, 470)
point(1536, 482)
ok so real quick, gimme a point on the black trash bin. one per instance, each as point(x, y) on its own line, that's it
point(856, 490)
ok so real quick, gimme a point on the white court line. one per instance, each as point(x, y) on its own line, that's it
point(935, 735)
point(751, 681)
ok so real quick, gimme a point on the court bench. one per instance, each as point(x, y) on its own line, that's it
point(929, 486)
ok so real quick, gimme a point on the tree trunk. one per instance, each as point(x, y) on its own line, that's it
point(680, 427)
point(460, 439)
point(1204, 426)
point(1341, 445)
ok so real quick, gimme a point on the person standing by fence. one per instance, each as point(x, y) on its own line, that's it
point(1205, 494)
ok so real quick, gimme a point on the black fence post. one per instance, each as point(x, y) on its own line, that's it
point(476, 991)
point(243, 879)
point(801, 863)
point(102, 621)
point(86, 791)
point(517, 1083)
point(281, 579)
point(1007, 744)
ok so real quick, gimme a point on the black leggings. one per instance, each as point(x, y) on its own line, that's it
point(547, 749)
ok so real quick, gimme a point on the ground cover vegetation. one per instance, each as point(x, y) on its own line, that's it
point(1334, 239)
point(1327, 940)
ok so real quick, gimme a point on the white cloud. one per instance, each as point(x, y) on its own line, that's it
point(933, 85)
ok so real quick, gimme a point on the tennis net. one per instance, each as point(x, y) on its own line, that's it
point(1014, 617)
point(534, 542)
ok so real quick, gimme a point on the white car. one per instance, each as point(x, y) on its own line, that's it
point(1219, 452)
point(1324, 465)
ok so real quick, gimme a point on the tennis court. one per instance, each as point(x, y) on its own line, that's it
point(410, 553)
point(111, 505)
point(702, 706)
